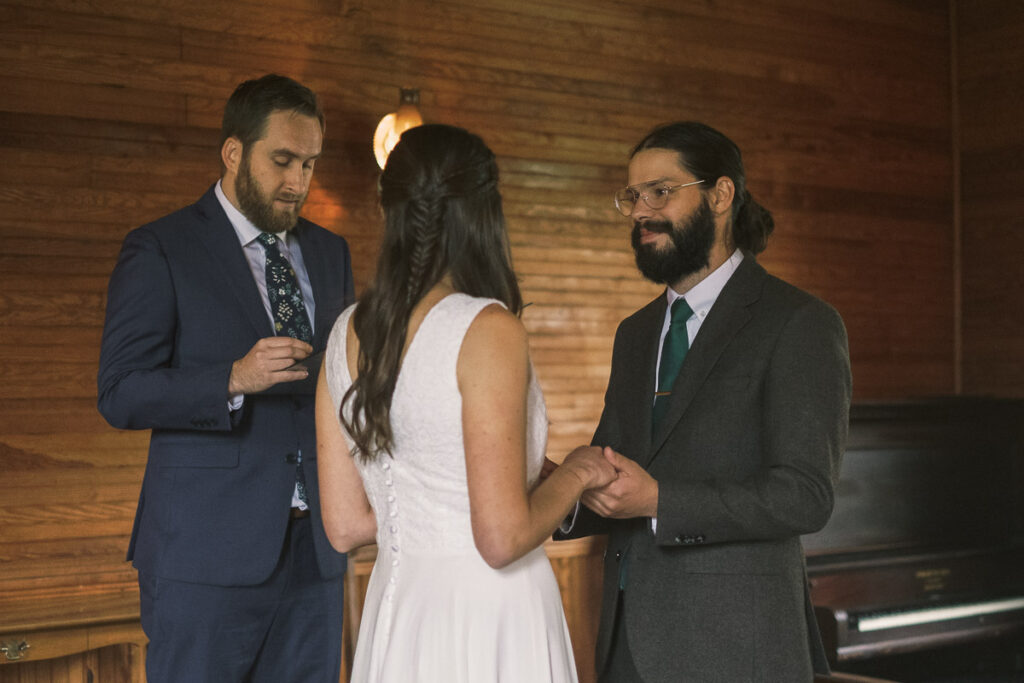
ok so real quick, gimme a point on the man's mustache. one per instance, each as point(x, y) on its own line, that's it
point(653, 226)
point(291, 197)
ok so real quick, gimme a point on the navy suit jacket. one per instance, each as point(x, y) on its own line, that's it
point(182, 306)
point(747, 458)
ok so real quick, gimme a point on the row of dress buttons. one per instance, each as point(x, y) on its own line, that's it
point(393, 528)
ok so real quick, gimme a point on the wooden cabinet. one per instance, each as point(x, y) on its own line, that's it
point(72, 639)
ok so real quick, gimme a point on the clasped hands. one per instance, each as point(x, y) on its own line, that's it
point(631, 492)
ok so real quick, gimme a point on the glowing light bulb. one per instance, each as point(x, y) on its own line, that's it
point(391, 127)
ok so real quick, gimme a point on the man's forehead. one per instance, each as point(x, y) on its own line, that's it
point(293, 134)
point(652, 166)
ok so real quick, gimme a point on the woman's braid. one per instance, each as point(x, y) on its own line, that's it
point(425, 219)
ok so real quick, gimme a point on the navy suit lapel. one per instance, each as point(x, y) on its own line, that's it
point(221, 241)
point(316, 270)
point(727, 317)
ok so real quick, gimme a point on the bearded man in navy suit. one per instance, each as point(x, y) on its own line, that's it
point(215, 318)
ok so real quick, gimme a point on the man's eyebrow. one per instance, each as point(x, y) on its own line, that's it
point(648, 183)
point(285, 152)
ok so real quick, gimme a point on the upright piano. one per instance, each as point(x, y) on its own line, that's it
point(924, 553)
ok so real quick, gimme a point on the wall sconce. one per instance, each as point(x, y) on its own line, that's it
point(397, 122)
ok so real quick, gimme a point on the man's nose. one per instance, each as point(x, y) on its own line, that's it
point(641, 211)
point(295, 178)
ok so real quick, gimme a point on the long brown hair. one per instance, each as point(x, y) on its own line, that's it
point(439, 192)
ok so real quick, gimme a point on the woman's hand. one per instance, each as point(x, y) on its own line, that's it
point(591, 466)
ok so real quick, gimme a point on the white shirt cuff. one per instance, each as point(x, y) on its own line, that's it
point(570, 520)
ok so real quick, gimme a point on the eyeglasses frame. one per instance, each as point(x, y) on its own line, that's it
point(644, 196)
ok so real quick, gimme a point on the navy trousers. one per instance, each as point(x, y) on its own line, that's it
point(287, 629)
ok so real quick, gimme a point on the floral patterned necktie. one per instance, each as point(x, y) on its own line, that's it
point(290, 316)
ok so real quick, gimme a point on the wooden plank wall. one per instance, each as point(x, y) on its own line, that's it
point(109, 115)
point(990, 46)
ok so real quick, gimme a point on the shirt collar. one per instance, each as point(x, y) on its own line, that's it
point(702, 296)
point(244, 229)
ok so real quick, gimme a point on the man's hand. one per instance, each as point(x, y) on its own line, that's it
point(547, 467)
point(633, 493)
point(266, 365)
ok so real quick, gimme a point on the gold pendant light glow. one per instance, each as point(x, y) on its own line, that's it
point(394, 124)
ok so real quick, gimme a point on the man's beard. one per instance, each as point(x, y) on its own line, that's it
point(258, 208)
point(689, 252)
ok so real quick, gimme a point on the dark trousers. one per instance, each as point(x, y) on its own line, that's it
point(620, 667)
point(287, 629)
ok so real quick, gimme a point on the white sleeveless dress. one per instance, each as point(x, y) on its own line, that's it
point(435, 612)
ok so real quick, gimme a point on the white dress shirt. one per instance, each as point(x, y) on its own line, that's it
point(256, 257)
point(700, 298)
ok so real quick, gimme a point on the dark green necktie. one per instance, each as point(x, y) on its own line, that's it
point(290, 316)
point(673, 351)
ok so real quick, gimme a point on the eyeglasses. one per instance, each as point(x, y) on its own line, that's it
point(655, 196)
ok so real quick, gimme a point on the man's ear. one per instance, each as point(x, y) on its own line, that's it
point(231, 154)
point(722, 196)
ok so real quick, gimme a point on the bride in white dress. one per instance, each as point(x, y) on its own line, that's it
point(431, 434)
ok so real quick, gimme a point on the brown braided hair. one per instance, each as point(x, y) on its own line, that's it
point(443, 215)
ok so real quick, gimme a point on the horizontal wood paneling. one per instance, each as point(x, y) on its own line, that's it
point(110, 118)
point(991, 94)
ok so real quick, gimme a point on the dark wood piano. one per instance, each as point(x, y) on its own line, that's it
point(919, 574)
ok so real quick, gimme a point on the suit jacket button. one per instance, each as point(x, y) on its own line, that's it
point(700, 538)
point(679, 540)
point(618, 555)
point(291, 458)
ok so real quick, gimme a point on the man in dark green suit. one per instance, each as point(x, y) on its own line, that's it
point(726, 418)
